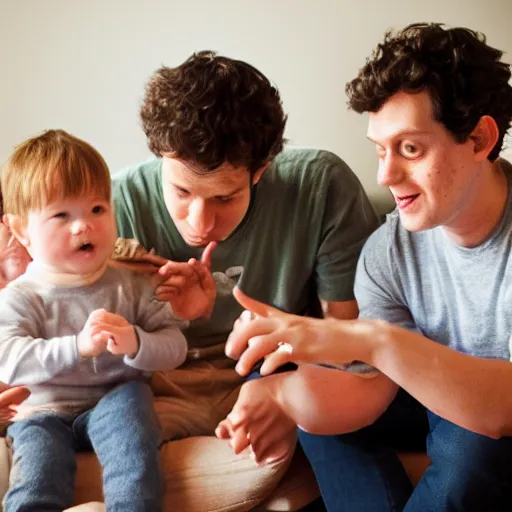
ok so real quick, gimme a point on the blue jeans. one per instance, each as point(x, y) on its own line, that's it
point(123, 431)
point(360, 472)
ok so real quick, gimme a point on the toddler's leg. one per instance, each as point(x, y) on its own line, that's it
point(125, 434)
point(44, 465)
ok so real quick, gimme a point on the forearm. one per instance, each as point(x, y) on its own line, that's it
point(324, 401)
point(162, 350)
point(468, 391)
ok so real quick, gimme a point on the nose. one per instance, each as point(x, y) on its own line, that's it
point(200, 218)
point(80, 226)
point(390, 171)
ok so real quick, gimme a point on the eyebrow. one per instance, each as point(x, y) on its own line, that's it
point(231, 193)
point(401, 134)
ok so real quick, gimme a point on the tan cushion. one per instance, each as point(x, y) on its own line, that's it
point(296, 489)
point(193, 484)
point(201, 474)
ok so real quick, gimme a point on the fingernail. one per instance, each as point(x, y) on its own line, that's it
point(246, 315)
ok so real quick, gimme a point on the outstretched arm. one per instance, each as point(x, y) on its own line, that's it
point(478, 397)
point(319, 400)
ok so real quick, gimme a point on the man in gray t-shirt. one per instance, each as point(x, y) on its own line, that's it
point(438, 273)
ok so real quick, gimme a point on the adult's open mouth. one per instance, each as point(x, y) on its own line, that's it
point(404, 201)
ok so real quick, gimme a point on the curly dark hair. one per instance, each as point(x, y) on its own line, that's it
point(211, 110)
point(463, 75)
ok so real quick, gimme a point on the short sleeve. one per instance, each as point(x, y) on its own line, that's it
point(348, 220)
point(377, 285)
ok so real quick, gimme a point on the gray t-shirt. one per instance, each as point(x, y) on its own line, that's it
point(39, 324)
point(460, 297)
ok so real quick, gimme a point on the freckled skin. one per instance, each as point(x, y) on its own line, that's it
point(420, 159)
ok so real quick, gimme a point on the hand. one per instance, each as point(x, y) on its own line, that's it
point(10, 398)
point(257, 420)
point(123, 339)
point(107, 331)
point(189, 287)
point(14, 258)
point(266, 332)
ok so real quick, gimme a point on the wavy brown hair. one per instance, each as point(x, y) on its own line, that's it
point(463, 75)
point(211, 110)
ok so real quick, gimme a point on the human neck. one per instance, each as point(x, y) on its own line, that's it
point(478, 221)
point(50, 276)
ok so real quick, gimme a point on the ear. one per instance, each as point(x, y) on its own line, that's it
point(18, 229)
point(484, 137)
point(259, 173)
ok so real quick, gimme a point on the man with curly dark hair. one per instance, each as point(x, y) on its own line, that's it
point(433, 283)
point(289, 225)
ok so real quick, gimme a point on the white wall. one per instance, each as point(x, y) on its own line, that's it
point(82, 65)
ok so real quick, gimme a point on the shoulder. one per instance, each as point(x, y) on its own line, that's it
point(381, 240)
point(22, 291)
point(295, 162)
point(130, 281)
point(138, 176)
point(313, 173)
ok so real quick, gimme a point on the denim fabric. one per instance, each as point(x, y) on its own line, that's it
point(360, 472)
point(122, 429)
point(469, 472)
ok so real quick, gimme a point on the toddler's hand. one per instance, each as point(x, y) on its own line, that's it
point(123, 340)
point(93, 338)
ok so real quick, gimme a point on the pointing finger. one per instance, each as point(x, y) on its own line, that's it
point(255, 306)
point(206, 258)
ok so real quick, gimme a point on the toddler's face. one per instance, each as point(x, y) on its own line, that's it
point(14, 258)
point(74, 235)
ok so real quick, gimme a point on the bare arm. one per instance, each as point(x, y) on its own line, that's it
point(324, 401)
point(352, 402)
point(342, 310)
point(479, 397)
point(469, 391)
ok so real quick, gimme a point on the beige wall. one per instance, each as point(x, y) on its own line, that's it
point(81, 65)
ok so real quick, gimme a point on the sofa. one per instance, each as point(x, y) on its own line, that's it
point(194, 487)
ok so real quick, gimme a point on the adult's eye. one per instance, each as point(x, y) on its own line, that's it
point(224, 199)
point(181, 192)
point(409, 150)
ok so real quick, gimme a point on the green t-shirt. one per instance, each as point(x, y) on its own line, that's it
point(299, 241)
